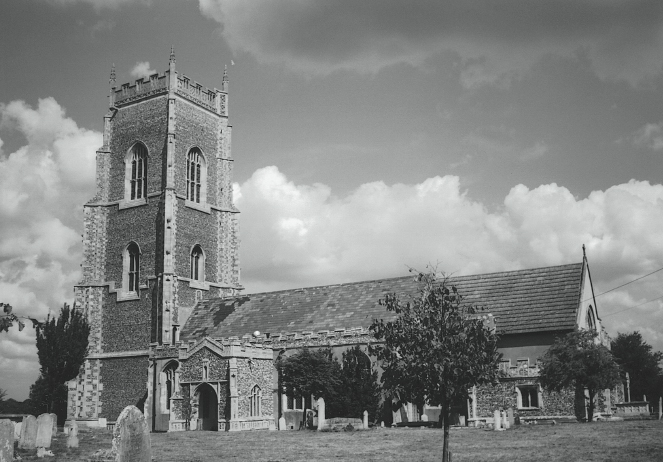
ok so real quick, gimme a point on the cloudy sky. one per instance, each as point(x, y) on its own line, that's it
point(368, 136)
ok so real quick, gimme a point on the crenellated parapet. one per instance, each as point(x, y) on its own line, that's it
point(158, 84)
point(143, 88)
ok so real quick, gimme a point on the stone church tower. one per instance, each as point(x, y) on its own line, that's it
point(160, 234)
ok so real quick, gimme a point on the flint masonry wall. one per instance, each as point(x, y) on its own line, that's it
point(124, 383)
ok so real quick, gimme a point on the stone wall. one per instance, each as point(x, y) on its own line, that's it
point(504, 395)
point(124, 383)
point(252, 372)
point(145, 122)
point(191, 369)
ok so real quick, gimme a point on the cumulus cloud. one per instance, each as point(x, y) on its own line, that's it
point(142, 69)
point(42, 187)
point(651, 136)
point(298, 235)
point(623, 39)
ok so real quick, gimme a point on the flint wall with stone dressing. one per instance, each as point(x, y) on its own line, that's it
point(249, 374)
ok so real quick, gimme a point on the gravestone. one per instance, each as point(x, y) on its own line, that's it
point(365, 421)
point(498, 423)
point(510, 417)
point(660, 407)
point(44, 431)
point(6, 440)
point(55, 424)
point(424, 417)
point(72, 435)
point(505, 421)
point(282, 425)
point(131, 437)
point(321, 413)
point(17, 430)
point(28, 432)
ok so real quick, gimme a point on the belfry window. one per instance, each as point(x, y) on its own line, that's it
point(197, 264)
point(195, 176)
point(254, 401)
point(137, 170)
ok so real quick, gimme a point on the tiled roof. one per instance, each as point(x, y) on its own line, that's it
point(532, 300)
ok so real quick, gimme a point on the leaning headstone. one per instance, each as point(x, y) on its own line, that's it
point(44, 431)
point(365, 421)
point(131, 437)
point(497, 419)
point(28, 433)
point(55, 424)
point(72, 435)
point(6, 440)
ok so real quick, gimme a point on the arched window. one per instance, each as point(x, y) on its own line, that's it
point(136, 172)
point(131, 276)
point(254, 401)
point(591, 322)
point(196, 172)
point(197, 263)
point(169, 383)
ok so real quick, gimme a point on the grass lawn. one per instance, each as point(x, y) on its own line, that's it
point(640, 440)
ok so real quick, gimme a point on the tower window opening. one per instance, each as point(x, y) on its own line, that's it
point(138, 180)
point(132, 267)
point(195, 176)
point(197, 264)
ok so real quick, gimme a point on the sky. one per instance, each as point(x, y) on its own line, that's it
point(368, 137)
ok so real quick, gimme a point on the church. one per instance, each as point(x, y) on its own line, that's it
point(171, 331)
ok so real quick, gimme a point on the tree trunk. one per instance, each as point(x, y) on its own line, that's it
point(445, 424)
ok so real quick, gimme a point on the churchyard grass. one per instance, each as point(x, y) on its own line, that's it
point(636, 440)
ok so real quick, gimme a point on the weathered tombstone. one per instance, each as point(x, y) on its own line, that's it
point(28, 432)
point(72, 435)
point(365, 421)
point(131, 437)
point(382, 423)
point(44, 431)
point(17, 431)
point(6, 440)
point(505, 421)
point(497, 419)
point(282, 423)
point(510, 417)
point(55, 424)
point(424, 418)
point(321, 413)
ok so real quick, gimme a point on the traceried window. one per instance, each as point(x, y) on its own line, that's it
point(137, 172)
point(131, 276)
point(528, 397)
point(195, 176)
point(254, 401)
point(197, 264)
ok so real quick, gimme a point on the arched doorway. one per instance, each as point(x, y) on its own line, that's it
point(208, 408)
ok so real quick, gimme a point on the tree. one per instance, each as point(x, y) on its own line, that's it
point(359, 390)
point(636, 357)
point(61, 347)
point(310, 373)
point(578, 361)
point(436, 349)
point(7, 319)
